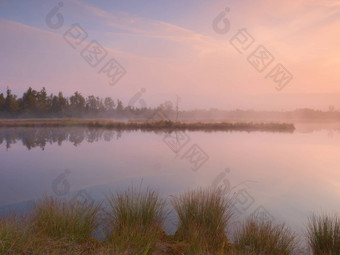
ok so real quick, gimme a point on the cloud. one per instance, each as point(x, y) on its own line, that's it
point(139, 27)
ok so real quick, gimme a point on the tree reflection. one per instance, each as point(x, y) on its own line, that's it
point(40, 137)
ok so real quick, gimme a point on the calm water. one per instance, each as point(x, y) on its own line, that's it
point(281, 176)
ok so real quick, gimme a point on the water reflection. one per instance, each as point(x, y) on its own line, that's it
point(40, 137)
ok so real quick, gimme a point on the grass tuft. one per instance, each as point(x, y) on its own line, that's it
point(263, 237)
point(203, 217)
point(70, 220)
point(323, 233)
point(136, 220)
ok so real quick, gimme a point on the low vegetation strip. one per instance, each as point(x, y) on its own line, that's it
point(132, 222)
point(152, 125)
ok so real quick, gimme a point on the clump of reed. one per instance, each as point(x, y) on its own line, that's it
point(58, 219)
point(203, 216)
point(136, 219)
point(264, 237)
point(323, 233)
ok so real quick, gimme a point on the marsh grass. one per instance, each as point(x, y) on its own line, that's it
point(68, 220)
point(16, 237)
point(323, 233)
point(136, 220)
point(13, 234)
point(203, 217)
point(150, 125)
point(265, 238)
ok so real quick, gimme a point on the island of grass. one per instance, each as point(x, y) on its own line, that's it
point(165, 125)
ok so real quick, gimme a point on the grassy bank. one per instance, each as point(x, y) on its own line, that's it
point(149, 125)
point(132, 222)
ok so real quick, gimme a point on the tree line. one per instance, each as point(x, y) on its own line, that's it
point(34, 103)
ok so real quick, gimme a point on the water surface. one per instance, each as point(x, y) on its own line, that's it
point(279, 176)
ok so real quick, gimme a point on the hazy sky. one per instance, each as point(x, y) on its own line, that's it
point(169, 47)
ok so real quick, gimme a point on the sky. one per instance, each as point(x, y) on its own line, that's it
point(262, 55)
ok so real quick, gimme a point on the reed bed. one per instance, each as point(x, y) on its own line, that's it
point(151, 125)
point(134, 224)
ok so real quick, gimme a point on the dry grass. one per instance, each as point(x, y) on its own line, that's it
point(265, 238)
point(323, 234)
point(136, 221)
point(70, 220)
point(203, 216)
point(13, 234)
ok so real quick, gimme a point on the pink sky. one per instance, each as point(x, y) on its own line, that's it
point(180, 54)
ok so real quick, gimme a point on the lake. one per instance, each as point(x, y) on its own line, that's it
point(279, 176)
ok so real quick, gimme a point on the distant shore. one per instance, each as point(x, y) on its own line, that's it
point(149, 125)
